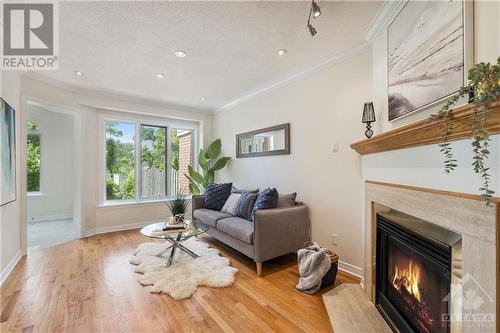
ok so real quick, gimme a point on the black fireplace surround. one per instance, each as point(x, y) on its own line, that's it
point(413, 272)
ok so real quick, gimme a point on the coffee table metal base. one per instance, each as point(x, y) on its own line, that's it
point(174, 246)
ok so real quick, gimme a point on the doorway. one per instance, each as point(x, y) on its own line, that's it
point(50, 177)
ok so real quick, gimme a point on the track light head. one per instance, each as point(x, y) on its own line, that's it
point(312, 30)
point(316, 11)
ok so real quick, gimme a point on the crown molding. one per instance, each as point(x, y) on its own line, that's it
point(360, 49)
point(384, 16)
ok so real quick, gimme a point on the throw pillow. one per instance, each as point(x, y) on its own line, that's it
point(231, 205)
point(245, 205)
point(266, 199)
point(287, 200)
point(240, 191)
point(216, 195)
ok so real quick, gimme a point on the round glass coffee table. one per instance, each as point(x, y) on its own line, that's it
point(174, 237)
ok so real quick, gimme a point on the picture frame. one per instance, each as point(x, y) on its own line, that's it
point(8, 170)
point(409, 94)
point(247, 143)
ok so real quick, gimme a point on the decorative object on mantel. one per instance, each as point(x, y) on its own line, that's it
point(268, 141)
point(423, 132)
point(427, 54)
point(314, 12)
point(368, 118)
point(484, 86)
point(209, 163)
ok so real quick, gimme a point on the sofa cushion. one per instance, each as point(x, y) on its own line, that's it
point(245, 205)
point(266, 199)
point(238, 228)
point(216, 195)
point(287, 200)
point(209, 217)
point(231, 205)
point(239, 190)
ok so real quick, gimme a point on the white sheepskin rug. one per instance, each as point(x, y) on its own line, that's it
point(182, 278)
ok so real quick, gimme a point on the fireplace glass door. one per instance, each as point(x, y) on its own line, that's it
point(416, 286)
point(413, 278)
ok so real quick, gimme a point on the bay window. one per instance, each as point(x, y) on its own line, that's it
point(146, 161)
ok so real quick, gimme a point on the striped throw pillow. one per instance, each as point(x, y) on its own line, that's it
point(245, 205)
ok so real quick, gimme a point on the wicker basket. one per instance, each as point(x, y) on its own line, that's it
point(331, 275)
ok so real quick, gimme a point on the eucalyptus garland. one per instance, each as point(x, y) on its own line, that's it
point(483, 87)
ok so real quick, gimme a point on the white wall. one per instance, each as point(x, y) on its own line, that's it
point(323, 108)
point(10, 228)
point(422, 166)
point(57, 156)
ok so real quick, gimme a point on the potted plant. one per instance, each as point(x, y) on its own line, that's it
point(209, 162)
point(482, 88)
point(177, 208)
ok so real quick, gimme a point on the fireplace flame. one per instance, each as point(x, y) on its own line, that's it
point(408, 278)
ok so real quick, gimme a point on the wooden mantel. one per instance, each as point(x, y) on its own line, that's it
point(424, 132)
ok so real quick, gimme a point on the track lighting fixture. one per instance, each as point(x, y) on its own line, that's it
point(314, 12)
point(312, 30)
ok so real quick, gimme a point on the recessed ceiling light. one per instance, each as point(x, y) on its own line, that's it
point(160, 75)
point(180, 54)
point(281, 52)
point(78, 73)
point(203, 99)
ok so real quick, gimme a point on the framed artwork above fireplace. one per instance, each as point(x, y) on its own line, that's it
point(429, 49)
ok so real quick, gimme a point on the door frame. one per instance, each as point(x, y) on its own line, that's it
point(78, 171)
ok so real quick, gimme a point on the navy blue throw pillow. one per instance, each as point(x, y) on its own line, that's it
point(244, 207)
point(216, 195)
point(266, 199)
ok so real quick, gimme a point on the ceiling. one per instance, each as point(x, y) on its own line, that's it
point(231, 46)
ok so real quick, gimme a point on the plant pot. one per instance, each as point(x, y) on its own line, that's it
point(178, 219)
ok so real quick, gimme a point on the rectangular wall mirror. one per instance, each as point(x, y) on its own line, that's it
point(264, 142)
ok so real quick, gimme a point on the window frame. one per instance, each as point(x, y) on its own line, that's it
point(38, 133)
point(138, 122)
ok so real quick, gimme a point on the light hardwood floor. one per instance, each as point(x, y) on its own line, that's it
point(89, 286)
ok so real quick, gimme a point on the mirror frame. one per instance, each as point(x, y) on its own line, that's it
point(285, 151)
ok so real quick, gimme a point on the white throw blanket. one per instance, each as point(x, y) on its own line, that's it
point(313, 264)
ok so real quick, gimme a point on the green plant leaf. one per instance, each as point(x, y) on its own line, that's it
point(195, 190)
point(209, 177)
point(195, 175)
point(202, 160)
point(213, 149)
point(221, 163)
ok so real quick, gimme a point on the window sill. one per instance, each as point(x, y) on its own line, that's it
point(36, 194)
point(111, 204)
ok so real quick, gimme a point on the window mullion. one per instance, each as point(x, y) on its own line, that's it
point(138, 166)
point(168, 166)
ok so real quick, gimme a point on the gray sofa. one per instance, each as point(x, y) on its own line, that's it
point(274, 232)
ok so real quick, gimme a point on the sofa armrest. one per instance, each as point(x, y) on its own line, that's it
point(280, 231)
point(197, 202)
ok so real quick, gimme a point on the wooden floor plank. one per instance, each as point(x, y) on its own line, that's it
point(88, 286)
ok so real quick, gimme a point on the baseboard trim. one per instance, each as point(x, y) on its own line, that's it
point(6, 272)
point(49, 218)
point(352, 270)
point(115, 228)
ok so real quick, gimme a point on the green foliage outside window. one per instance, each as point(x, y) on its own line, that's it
point(119, 163)
point(33, 162)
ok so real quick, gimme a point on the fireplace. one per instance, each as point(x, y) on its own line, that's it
point(414, 272)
